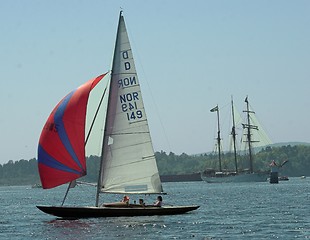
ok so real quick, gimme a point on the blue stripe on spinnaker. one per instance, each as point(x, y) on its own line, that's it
point(61, 128)
point(48, 160)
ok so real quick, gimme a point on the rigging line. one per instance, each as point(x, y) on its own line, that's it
point(149, 87)
point(160, 120)
point(70, 185)
point(94, 119)
point(68, 188)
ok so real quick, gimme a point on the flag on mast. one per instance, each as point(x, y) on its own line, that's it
point(215, 109)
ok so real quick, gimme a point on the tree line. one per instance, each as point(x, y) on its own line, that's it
point(25, 172)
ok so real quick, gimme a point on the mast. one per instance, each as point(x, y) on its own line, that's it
point(105, 138)
point(216, 109)
point(233, 133)
point(128, 163)
point(248, 134)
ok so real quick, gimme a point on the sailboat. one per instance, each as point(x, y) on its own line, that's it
point(128, 164)
point(236, 175)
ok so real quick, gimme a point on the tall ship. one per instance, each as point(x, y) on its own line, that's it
point(237, 173)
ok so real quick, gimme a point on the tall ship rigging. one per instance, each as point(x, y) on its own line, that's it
point(237, 174)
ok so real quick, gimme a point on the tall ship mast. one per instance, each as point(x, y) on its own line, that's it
point(234, 134)
point(248, 126)
point(218, 139)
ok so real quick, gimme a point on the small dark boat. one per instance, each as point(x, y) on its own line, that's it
point(93, 212)
point(283, 178)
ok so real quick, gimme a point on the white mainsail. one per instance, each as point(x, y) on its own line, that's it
point(128, 161)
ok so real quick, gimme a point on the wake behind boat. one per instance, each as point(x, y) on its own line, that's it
point(128, 164)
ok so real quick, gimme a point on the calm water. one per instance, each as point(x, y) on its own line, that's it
point(228, 211)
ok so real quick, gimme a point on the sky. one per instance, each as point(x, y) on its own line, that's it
point(190, 56)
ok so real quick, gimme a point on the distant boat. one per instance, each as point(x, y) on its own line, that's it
point(128, 164)
point(274, 173)
point(36, 185)
point(283, 178)
point(246, 175)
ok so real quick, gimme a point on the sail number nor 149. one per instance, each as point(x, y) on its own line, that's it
point(129, 106)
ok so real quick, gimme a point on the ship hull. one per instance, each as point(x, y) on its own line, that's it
point(242, 177)
point(95, 212)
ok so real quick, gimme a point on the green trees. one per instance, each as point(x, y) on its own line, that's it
point(25, 172)
point(22, 172)
point(298, 157)
point(178, 164)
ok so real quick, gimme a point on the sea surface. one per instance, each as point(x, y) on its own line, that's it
point(228, 211)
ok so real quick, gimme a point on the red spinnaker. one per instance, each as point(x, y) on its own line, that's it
point(61, 150)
